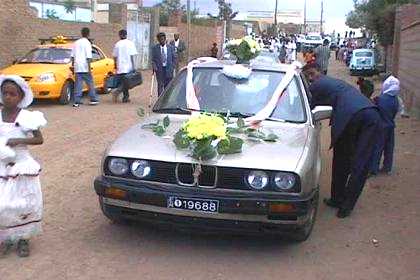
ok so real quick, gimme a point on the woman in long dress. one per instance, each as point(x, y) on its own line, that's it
point(20, 189)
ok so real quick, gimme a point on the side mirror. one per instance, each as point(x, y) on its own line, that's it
point(320, 113)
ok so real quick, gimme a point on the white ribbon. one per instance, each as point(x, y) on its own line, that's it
point(266, 112)
point(192, 101)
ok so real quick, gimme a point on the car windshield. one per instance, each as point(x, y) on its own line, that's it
point(217, 93)
point(47, 55)
point(363, 54)
point(313, 38)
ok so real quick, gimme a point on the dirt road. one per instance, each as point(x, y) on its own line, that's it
point(80, 243)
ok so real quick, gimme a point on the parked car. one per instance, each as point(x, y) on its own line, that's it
point(363, 62)
point(268, 188)
point(47, 70)
point(312, 40)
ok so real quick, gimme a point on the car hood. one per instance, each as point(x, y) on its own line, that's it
point(281, 155)
point(32, 69)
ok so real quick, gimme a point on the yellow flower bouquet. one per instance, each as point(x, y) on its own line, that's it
point(244, 49)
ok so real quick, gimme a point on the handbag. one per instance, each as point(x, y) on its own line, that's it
point(134, 79)
point(112, 82)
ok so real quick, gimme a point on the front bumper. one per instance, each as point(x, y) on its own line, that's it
point(239, 211)
point(46, 90)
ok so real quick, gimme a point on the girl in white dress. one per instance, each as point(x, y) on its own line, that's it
point(20, 189)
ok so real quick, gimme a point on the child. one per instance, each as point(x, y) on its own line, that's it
point(20, 189)
point(388, 106)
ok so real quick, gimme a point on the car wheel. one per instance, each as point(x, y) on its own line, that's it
point(302, 234)
point(66, 93)
point(113, 218)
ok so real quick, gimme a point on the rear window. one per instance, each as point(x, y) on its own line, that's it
point(363, 54)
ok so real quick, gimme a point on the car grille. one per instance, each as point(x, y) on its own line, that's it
point(210, 176)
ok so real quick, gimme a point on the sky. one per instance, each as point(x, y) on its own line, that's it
point(334, 10)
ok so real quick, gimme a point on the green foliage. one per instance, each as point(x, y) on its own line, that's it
point(377, 16)
point(231, 145)
point(69, 6)
point(167, 8)
point(181, 140)
point(51, 14)
point(226, 13)
point(203, 149)
point(158, 128)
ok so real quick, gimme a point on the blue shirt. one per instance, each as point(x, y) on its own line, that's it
point(345, 99)
point(388, 108)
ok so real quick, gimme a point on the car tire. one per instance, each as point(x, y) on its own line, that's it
point(302, 234)
point(113, 218)
point(66, 93)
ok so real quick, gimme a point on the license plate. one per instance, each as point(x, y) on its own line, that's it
point(192, 204)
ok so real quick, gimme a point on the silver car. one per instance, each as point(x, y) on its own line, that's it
point(269, 188)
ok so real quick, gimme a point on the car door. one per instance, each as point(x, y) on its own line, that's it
point(99, 67)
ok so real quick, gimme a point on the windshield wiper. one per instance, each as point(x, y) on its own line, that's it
point(238, 114)
point(174, 110)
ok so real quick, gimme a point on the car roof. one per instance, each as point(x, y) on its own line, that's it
point(362, 50)
point(58, 46)
point(256, 66)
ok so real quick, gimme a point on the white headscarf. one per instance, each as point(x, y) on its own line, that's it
point(391, 86)
point(27, 99)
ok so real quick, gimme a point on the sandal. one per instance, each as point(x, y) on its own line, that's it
point(23, 248)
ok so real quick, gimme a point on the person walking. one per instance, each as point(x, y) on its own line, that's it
point(388, 105)
point(322, 55)
point(163, 62)
point(355, 122)
point(20, 188)
point(180, 49)
point(124, 53)
point(81, 57)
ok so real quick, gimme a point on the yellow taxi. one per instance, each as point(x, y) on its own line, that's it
point(46, 68)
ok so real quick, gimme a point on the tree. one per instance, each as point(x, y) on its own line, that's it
point(70, 7)
point(226, 13)
point(168, 8)
point(376, 16)
point(51, 14)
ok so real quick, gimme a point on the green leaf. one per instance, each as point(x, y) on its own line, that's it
point(159, 130)
point(181, 140)
point(235, 130)
point(232, 145)
point(204, 150)
point(140, 112)
point(166, 122)
point(271, 137)
point(150, 125)
point(240, 123)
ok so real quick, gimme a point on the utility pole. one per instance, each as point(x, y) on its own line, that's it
point(304, 18)
point(275, 19)
point(322, 17)
point(188, 28)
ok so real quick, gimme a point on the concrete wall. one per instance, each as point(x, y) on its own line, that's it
point(406, 55)
point(20, 30)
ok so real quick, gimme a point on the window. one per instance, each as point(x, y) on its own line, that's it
point(96, 54)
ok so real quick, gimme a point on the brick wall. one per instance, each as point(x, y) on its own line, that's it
point(406, 58)
point(20, 31)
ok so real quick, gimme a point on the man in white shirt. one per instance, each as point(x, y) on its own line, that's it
point(180, 48)
point(124, 53)
point(81, 57)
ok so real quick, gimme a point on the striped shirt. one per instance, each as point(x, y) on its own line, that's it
point(322, 54)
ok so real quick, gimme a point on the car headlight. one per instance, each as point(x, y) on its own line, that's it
point(140, 168)
point(118, 166)
point(258, 180)
point(284, 181)
point(46, 78)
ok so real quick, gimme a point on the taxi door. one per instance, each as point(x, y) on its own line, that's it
point(99, 67)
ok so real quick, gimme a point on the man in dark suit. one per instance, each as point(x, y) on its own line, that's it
point(180, 49)
point(355, 122)
point(163, 62)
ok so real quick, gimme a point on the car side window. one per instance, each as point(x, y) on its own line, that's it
point(96, 54)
